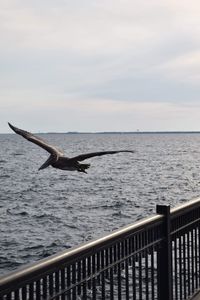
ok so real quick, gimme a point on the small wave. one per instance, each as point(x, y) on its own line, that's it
point(53, 248)
point(8, 243)
point(120, 214)
point(106, 179)
point(41, 216)
point(50, 217)
point(17, 154)
point(2, 161)
point(9, 265)
point(71, 226)
point(35, 247)
point(100, 207)
point(5, 176)
point(21, 213)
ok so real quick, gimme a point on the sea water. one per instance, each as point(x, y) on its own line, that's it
point(44, 212)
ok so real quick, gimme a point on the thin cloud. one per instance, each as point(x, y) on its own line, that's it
point(126, 56)
point(184, 68)
point(101, 115)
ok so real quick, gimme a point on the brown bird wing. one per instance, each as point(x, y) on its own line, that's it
point(82, 157)
point(38, 141)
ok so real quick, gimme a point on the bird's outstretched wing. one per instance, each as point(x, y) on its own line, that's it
point(82, 157)
point(38, 141)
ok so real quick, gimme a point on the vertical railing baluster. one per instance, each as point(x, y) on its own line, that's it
point(180, 268)
point(89, 271)
point(198, 238)
point(79, 276)
point(24, 292)
point(126, 268)
point(107, 263)
point(68, 294)
point(57, 282)
point(102, 274)
point(188, 257)
point(146, 242)
point(130, 250)
point(152, 274)
point(184, 268)
point(111, 275)
point(9, 296)
point(62, 275)
point(84, 279)
point(140, 275)
point(74, 282)
point(31, 291)
point(98, 267)
point(133, 268)
point(146, 275)
point(192, 257)
point(122, 254)
point(17, 294)
point(51, 285)
point(115, 257)
point(44, 287)
point(119, 270)
point(175, 269)
point(150, 240)
point(196, 260)
point(139, 259)
point(38, 290)
point(197, 252)
point(94, 277)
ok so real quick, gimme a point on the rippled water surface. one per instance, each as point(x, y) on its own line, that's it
point(43, 212)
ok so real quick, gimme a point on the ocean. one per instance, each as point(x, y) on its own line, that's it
point(44, 212)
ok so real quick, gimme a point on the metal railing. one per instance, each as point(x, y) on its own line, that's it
point(155, 258)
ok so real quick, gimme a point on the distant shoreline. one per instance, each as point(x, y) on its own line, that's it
point(123, 132)
point(118, 132)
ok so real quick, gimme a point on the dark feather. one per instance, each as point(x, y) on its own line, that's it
point(37, 140)
point(82, 157)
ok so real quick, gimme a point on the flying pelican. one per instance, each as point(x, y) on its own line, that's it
point(57, 158)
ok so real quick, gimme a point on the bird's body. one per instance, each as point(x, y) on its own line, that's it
point(57, 159)
point(65, 163)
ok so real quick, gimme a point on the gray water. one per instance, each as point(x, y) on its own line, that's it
point(43, 212)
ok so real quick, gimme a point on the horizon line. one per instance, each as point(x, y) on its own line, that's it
point(118, 132)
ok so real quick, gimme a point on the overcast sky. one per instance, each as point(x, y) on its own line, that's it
point(106, 65)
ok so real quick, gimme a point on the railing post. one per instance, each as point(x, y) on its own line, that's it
point(164, 257)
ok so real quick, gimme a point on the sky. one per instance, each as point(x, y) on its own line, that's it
point(106, 65)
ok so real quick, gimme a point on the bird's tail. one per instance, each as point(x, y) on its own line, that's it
point(83, 167)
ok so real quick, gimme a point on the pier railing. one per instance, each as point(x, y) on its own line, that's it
point(155, 258)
